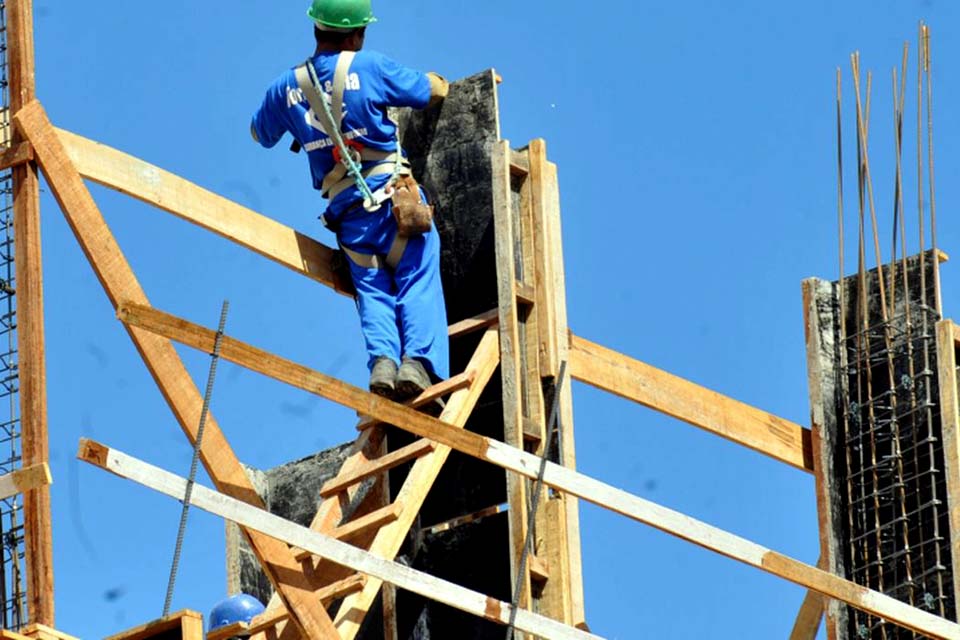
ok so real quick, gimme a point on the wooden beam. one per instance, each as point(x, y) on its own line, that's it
point(807, 624)
point(950, 422)
point(511, 369)
point(555, 476)
point(166, 367)
point(376, 467)
point(164, 627)
point(361, 561)
point(31, 346)
point(150, 184)
point(728, 418)
point(476, 323)
point(16, 155)
point(23, 480)
point(355, 528)
point(432, 394)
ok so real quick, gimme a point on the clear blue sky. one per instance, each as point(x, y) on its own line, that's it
point(695, 142)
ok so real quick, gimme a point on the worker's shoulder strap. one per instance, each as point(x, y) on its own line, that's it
point(309, 84)
point(340, 84)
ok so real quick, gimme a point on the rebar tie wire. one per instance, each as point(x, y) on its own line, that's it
point(534, 503)
point(211, 376)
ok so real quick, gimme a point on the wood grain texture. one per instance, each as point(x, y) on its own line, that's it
point(163, 627)
point(361, 561)
point(634, 380)
point(168, 371)
point(25, 479)
point(31, 344)
point(950, 422)
point(194, 204)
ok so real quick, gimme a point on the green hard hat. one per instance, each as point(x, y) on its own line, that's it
point(341, 14)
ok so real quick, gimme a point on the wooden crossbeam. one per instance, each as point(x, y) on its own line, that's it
point(731, 419)
point(476, 323)
point(16, 155)
point(23, 480)
point(432, 394)
point(361, 561)
point(166, 367)
point(555, 476)
point(361, 526)
point(154, 186)
point(376, 467)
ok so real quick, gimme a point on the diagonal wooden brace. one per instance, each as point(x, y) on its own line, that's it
point(179, 390)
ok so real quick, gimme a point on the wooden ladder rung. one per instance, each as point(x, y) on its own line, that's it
point(268, 620)
point(375, 467)
point(526, 294)
point(355, 528)
point(539, 570)
point(476, 323)
point(457, 382)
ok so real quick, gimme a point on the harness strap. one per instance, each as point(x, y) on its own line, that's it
point(377, 261)
point(340, 85)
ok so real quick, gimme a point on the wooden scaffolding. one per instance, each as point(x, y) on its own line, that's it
point(345, 559)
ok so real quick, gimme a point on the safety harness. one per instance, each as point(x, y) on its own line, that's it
point(349, 155)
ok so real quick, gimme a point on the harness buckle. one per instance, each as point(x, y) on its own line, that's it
point(356, 152)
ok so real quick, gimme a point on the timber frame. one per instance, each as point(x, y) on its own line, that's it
point(526, 337)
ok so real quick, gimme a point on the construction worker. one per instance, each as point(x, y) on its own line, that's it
point(335, 106)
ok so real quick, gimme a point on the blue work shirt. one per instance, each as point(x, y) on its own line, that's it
point(374, 82)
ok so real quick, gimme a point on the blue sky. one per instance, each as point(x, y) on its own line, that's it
point(695, 142)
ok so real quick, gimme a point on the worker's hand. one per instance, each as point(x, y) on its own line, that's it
point(439, 88)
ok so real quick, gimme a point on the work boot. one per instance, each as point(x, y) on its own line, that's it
point(412, 379)
point(383, 377)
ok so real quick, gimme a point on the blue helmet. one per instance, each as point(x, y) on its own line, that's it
point(238, 608)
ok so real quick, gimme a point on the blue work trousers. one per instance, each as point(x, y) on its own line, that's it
point(402, 310)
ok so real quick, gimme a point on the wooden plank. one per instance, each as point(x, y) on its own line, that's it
point(44, 632)
point(31, 345)
point(454, 383)
point(738, 422)
point(543, 260)
point(235, 630)
point(950, 422)
point(191, 627)
point(355, 528)
point(6, 634)
point(23, 480)
point(171, 193)
point(417, 486)
point(526, 294)
point(16, 155)
point(119, 282)
point(555, 476)
point(511, 371)
point(156, 628)
point(566, 560)
point(361, 561)
point(467, 519)
point(476, 323)
point(378, 466)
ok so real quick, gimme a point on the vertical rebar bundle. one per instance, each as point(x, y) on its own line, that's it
point(892, 482)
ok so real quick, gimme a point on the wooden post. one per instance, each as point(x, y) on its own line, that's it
point(38, 533)
point(511, 370)
point(950, 421)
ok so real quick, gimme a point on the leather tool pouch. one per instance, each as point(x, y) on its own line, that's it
point(413, 215)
